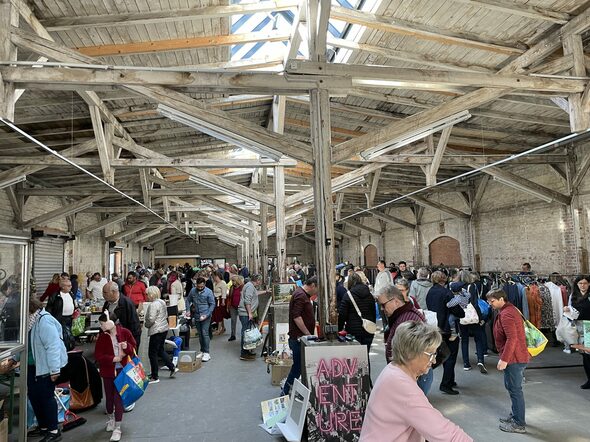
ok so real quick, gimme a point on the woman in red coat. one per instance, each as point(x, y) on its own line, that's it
point(113, 345)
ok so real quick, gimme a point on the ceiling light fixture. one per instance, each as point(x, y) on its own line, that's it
point(220, 133)
point(416, 135)
point(339, 187)
point(517, 186)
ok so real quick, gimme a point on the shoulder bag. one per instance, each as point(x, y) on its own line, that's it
point(369, 326)
point(84, 399)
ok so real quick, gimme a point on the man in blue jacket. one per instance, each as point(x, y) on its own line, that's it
point(46, 357)
point(204, 301)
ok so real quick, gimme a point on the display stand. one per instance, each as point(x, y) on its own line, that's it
point(338, 376)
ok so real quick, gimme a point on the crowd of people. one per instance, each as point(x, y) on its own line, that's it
point(428, 315)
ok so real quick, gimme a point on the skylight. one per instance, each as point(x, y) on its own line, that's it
point(281, 22)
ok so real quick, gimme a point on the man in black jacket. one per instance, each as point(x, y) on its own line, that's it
point(123, 308)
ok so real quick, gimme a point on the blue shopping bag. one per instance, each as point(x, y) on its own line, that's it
point(132, 381)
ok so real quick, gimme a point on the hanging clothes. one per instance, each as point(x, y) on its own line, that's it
point(513, 293)
point(523, 300)
point(547, 320)
point(534, 303)
point(564, 294)
point(556, 301)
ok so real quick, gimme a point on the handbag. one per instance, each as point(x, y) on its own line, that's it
point(535, 340)
point(68, 338)
point(369, 326)
point(84, 399)
point(431, 317)
point(470, 316)
point(132, 381)
point(252, 337)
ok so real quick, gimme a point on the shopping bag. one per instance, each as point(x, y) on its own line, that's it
point(252, 337)
point(79, 325)
point(535, 340)
point(470, 315)
point(567, 332)
point(132, 381)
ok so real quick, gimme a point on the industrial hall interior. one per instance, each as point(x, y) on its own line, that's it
point(242, 220)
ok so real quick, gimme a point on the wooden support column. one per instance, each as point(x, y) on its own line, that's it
point(280, 227)
point(572, 45)
point(264, 228)
point(322, 191)
point(8, 17)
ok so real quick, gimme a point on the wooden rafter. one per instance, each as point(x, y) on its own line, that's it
point(62, 212)
point(425, 202)
point(519, 9)
point(103, 224)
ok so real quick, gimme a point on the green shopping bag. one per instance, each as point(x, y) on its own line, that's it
point(79, 325)
point(535, 340)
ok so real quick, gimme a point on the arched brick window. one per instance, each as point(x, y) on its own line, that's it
point(445, 250)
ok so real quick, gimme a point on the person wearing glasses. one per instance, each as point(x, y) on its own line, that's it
point(413, 352)
point(514, 356)
point(399, 310)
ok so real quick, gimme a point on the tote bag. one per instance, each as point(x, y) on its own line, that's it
point(535, 340)
point(82, 400)
point(470, 315)
point(132, 381)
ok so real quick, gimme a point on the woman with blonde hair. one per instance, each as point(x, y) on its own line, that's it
point(156, 321)
point(52, 287)
point(233, 302)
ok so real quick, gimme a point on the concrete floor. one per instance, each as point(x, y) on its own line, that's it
point(221, 401)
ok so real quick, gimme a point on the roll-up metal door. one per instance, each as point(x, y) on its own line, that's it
point(48, 258)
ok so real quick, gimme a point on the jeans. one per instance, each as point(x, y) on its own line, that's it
point(448, 377)
point(204, 334)
point(40, 393)
point(513, 374)
point(113, 399)
point(479, 336)
point(244, 321)
point(155, 349)
point(425, 381)
point(234, 320)
point(295, 372)
point(453, 322)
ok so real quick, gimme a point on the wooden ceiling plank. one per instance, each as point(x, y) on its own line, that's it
point(521, 10)
point(103, 224)
point(438, 155)
point(63, 211)
point(425, 202)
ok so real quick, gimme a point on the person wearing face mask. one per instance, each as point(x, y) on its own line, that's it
point(47, 356)
point(113, 345)
point(204, 301)
point(413, 353)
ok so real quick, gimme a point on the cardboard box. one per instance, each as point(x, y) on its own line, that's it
point(279, 372)
point(194, 333)
point(189, 367)
point(172, 321)
point(187, 356)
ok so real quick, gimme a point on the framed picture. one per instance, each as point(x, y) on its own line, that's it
point(282, 292)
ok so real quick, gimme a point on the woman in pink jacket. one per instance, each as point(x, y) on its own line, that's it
point(413, 352)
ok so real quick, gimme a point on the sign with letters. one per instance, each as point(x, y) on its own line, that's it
point(338, 377)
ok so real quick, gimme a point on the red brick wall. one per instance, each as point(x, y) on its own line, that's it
point(445, 250)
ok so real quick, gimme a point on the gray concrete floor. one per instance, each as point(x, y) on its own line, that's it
point(221, 401)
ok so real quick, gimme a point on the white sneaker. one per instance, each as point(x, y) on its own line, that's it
point(111, 425)
point(206, 357)
point(154, 381)
point(116, 437)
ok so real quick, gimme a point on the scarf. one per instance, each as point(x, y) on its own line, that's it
point(33, 318)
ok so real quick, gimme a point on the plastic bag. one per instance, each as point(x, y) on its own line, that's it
point(470, 316)
point(252, 337)
point(535, 340)
point(567, 332)
point(132, 381)
point(79, 325)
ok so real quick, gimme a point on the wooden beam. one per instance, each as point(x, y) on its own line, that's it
point(15, 203)
point(581, 171)
point(103, 224)
point(579, 119)
point(391, 219)
point(424, 32)
point(280, 223)
point(145, 187)
point(209, 41)
point(128, 231)
point(477, 98)
point(338, 205)
point(481, 188)
point(374, 186)
point(8, 17)
point(164, 17)
point(205, 178)
point(149, 234)
point(400, 78)
point(438, 155)
point(521, 10)
point(62, 212)
point(360, 226)
point(104, 151)
point(527, 185)
point(422, 201)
